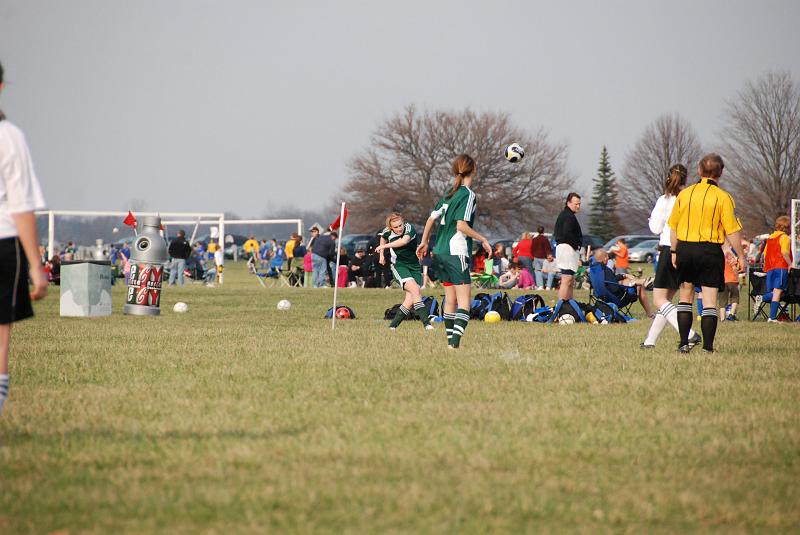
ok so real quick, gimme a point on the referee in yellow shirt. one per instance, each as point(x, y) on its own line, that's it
point(703, 216)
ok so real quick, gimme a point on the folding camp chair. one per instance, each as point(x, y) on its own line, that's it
point(761, 299)
point(757, 287)
point(486, 279)
point(602, 290)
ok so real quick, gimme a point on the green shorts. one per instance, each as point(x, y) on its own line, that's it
point(404, 273)
point(452, 268)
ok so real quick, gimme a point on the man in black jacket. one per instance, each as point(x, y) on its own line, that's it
point(179, 250)
point(323, 249)
point(569, 238)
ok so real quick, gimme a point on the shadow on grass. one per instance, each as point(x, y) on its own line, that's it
point(15, 437)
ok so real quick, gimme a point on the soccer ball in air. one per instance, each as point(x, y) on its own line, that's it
point(566, 319)
point(284, 304)
point(514, 153)
point(492, 317)
point(180, 307)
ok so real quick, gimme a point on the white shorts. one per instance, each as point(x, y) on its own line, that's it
point(566, 258)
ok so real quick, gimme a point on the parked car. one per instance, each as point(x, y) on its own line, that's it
point(590, 240)
point(631, 240)
point(645, 251)
point(351, 242)
point(238, 244)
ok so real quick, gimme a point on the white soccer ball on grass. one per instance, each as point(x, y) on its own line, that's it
point(566, 319)
point(284, 304)
point(180, 307)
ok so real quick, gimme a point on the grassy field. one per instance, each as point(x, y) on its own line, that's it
point(239, 418)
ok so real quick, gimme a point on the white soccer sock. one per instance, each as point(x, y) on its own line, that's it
point(659, 322)
point(667, 313)
point(3, 389)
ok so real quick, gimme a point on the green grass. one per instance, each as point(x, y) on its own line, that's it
point(237, 418)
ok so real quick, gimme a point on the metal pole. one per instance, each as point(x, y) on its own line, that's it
point(51, 234)
point(795, 202)
point(222, 245)
point(336, 275)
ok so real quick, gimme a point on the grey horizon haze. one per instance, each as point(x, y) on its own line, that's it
point(250, 106)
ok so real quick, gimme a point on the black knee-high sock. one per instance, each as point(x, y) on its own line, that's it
point(685, 315)
point(708, 324)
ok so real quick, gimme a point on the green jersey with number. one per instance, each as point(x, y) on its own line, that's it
point(450, 210)
point(407, 254)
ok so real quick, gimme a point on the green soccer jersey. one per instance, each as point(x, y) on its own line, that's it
point(459, 207)
point(406, 254)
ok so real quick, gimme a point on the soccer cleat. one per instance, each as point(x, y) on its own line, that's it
point(685, 349)
point(646, 346)
point(708, 350)
point(694, 340)
point(770, 320)
point(429, 327)
point(392, 328)
point(731, 317)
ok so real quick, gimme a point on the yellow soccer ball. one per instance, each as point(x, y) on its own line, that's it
point(491, 317)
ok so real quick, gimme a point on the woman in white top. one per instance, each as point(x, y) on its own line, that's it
point(666, 280)
point(20, 196)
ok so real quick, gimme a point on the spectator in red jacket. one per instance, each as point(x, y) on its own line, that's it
point(540, 249)
point(522, 252)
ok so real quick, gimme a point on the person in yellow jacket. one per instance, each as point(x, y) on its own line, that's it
point(251, 248)
point(289, 248)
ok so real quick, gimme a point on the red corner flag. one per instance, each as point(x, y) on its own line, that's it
point(130, 220)
point(336, 224)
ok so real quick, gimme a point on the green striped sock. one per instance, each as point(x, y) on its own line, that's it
point(449, 321)
point(3, 389)
point(460, 325)
point(402, 313)
point(419, 308)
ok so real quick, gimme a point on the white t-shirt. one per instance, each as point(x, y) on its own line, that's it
point(659, 216)
point(19, 189)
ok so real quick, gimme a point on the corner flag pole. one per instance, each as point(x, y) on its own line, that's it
point(340, 231)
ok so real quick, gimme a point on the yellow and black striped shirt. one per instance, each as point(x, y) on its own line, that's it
point(704, 212)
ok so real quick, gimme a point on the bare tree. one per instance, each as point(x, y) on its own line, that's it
point(761, 140)
point(407, 168)
point(670, 139)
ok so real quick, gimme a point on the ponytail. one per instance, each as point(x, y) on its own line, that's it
point(676, 180)
point(463, 166)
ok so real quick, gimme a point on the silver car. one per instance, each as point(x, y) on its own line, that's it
point(645, 251)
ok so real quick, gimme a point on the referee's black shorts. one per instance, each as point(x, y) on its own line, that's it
point(701, 263)
point(15, 301)
point(666, 274)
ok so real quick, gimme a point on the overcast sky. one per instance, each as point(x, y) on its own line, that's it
point(240, 106)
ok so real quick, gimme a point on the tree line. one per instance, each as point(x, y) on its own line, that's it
point(406, 164)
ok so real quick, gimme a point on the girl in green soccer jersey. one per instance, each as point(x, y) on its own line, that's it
point(456, 215)
point(399, 238)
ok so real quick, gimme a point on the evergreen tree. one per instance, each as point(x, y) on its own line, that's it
point(604, 220)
